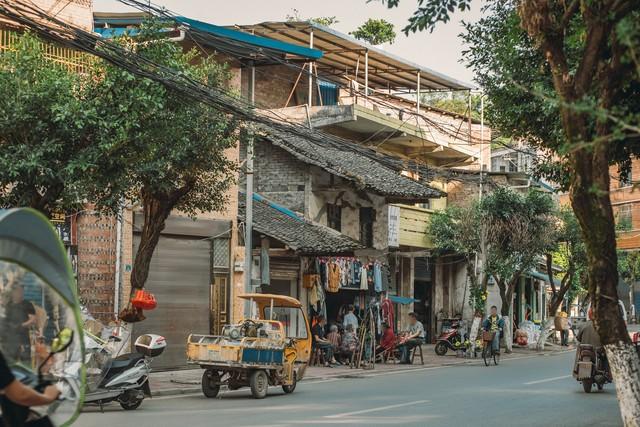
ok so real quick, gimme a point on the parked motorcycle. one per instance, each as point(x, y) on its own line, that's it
point(123, 378)
point(450, 339)
point(591, 367)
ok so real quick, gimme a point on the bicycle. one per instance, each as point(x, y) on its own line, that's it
point(487, 349)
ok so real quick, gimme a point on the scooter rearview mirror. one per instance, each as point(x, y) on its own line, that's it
point(62, 341)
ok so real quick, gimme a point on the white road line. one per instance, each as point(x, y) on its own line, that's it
point(546, 380)
point(380, 408)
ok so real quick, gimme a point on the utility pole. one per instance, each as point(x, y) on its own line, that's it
point(248, 220)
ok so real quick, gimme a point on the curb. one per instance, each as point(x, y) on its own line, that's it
point(351, 373)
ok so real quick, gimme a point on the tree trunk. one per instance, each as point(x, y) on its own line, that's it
point(156, 211)
point(592, 205)
point(556, 302)
point(508, 334)
point(544, 331)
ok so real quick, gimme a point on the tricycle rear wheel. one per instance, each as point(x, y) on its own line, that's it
point(259, 382)
point(210, 383)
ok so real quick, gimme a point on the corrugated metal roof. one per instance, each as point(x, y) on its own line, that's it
point(346, 54)
point(239, 43)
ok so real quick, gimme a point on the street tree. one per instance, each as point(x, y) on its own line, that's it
point(168, 151)
point(521, 229)
point(375, 32)
point(459, 230)
point(570, 256)
point(44, 145)
point(576, 64)
point(516, 229)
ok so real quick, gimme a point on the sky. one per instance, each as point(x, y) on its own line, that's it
point(440, 50)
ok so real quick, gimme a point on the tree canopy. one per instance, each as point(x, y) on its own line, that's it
point(168, 151)
point(516, 229)
point(375, 32)
point(45, 142)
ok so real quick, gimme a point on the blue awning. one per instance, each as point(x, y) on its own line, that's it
point(250, 39)
point(236, 43)
point(402, 300)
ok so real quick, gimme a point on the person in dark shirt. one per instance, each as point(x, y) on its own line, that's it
point(15, 391)
point(20, 317)
point(319, 341)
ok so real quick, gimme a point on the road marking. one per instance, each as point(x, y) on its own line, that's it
point(546, 380)
point(380, 408)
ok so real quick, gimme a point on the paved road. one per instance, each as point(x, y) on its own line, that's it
point(531, 391)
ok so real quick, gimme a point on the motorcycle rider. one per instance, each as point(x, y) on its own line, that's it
point(15, 391)
point(494, 323)
point(589, 335)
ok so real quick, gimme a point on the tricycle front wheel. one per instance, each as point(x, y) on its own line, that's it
point(259, 382)
point(290, 388)
point(210, 383)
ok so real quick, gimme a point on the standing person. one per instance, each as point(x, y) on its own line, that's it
point(413, 337)
point(494, 323)
point(349, 344)
point(319, 341)
point(20, 317)
point(350, 319)
point(562, 325)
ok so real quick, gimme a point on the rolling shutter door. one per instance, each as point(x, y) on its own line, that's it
point(179, 277)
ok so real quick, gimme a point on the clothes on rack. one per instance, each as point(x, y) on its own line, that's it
point(335, 273)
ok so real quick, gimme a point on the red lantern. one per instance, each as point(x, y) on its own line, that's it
point(144, 300)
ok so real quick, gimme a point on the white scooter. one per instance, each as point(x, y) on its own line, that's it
point(123, 378)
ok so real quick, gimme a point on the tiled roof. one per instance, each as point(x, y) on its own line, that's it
point(297, 233)
point(365, 168)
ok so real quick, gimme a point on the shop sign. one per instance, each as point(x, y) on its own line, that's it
point(58, 217)
point(394, 227)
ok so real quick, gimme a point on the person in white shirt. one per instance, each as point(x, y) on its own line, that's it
point(350, 319)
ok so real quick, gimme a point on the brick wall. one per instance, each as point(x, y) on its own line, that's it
point(96, 263)
point(278, 176)
point(274, 84)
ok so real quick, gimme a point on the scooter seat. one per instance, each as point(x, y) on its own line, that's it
point(123, 362)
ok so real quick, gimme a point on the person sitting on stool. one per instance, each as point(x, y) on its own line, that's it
point(319, 341)
point(412, 338)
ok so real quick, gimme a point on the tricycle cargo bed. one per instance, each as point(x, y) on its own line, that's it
point(218, 350)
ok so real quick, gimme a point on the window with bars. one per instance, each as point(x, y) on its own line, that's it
point(334, 216)
point(367, 218)
point(220, 256)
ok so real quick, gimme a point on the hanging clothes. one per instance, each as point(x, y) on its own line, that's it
point(388, 314)
point(323, 273)
point(334, 274)
point(364, 284)
point(356, 267)
point(377, 277)
point(313, 296)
